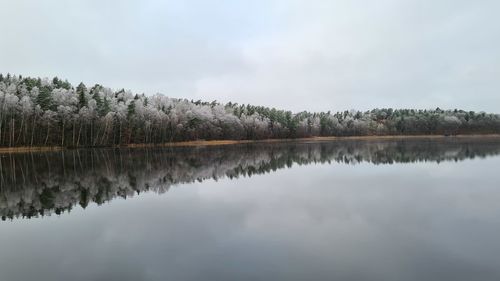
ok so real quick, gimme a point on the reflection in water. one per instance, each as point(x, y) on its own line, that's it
point(37, 184)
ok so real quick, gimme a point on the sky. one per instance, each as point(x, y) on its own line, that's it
point(291, 54)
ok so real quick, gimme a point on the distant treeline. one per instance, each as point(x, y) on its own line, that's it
point(44, 112)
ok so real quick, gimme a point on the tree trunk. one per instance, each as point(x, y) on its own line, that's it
point(12, 131)
point(33, 130)
point(79, 133)
point(62, 133)
point(20, 130)
point(47, 137)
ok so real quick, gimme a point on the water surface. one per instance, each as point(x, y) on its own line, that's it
point(345, 210)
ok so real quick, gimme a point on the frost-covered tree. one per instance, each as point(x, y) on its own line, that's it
point(39, 112)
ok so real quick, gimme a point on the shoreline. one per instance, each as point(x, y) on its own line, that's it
point(25, 149)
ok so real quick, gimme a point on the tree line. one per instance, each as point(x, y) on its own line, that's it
point(52, 112)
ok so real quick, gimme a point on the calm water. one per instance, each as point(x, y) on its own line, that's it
point(351, 210)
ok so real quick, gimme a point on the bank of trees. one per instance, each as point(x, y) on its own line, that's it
point(52, 112)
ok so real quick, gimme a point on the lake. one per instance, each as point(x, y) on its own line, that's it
point(410, 209)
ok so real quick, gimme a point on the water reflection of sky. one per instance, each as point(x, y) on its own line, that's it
point(421, 221)
point(35, 185)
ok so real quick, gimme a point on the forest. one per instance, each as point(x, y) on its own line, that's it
point(52, 112)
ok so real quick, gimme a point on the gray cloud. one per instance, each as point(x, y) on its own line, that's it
point(314, 222)
point(314, 55)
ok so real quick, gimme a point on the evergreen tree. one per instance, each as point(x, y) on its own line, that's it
point(81, 91)
point(44, 98)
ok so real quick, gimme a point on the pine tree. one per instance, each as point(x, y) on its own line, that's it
point(44, 98)
point(81, 91)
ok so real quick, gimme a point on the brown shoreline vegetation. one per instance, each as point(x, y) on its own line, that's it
point(7, 150)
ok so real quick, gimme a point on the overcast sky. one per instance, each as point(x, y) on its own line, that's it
point(293, 54)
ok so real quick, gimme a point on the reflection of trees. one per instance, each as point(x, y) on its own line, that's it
point(36, 184)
